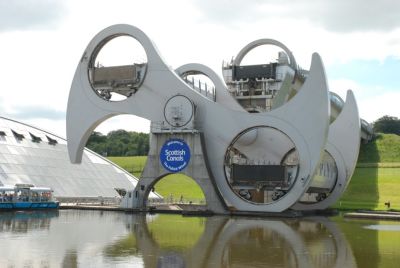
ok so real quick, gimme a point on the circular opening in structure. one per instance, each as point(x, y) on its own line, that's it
point(201, 83)
point(261, 165)
point(178, 190)
point(323, 182)
point(264, 76)
point(117, 68)
point(124, 139)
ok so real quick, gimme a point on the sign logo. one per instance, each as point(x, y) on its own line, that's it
point(175, 155)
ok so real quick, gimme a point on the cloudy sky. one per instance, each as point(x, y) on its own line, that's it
point(41, 42)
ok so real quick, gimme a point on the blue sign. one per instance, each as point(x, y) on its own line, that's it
point(175, 155)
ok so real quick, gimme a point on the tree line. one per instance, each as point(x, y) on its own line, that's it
point(387, 124)
point(119, 143)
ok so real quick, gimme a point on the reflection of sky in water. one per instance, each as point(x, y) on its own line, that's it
point(382, 227)
point(71, 238)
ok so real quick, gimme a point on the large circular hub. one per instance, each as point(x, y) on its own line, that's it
point(261, 165)
point(178, 111)
point(117, 68)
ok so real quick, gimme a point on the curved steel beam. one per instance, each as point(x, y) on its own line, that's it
point(243, 52)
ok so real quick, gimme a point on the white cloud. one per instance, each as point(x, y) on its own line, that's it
point(30, 14)
point(340, 87)
point(336, 16)
point(38, 64)
point(384, 104)
point(372, 102)
point(127, 122)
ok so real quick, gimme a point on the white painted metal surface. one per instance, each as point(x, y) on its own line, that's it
point(343, 145)
point(304, 120)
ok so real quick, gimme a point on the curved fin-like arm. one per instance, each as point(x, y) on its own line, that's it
point(343, 145)
point(82, 118)
point(309, 110)
point(346, 135)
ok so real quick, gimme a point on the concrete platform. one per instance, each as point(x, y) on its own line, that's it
point(374, 215)
point(189, 210)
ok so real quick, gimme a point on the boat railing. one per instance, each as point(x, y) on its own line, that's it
point(10, 194)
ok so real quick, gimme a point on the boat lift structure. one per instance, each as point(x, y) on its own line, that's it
point(263, 140)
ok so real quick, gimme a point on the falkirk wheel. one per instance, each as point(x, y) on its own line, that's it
point(269, 138)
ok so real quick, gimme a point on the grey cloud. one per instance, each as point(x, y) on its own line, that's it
point(335, 16)
point(37, 112)
point(230, 11)
point(357, 15)
point(30, 14)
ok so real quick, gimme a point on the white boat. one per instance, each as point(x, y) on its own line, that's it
point(26, 196)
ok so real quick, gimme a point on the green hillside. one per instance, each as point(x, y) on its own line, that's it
point(376, 179)
point(384, 149)
point(172, 186)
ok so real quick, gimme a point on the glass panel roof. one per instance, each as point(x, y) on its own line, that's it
point(46, 165)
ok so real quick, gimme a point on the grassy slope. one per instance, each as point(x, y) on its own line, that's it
point(384, 149)
point(376, 179)
point(132, 164)
point(370, 188)
point(173, 185)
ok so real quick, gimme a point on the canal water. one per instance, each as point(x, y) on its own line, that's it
point(72, 238)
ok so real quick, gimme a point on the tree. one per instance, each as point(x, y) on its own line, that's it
point(387, 124)
point(97, 137)
point(119, 143)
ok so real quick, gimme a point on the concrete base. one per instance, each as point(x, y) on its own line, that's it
point(197, 169)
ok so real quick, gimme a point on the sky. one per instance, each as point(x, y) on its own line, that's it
point(41, 42)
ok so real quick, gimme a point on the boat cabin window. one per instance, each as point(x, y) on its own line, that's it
point(25, 193)
point(6, 195)
point(22, 195)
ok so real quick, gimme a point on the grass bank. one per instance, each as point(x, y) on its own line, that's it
point(172, 186)
point(376, 179)
point(371, 188)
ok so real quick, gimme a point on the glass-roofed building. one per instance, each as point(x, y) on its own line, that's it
point(30, 155)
